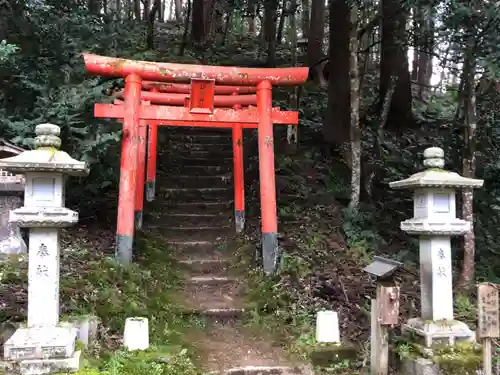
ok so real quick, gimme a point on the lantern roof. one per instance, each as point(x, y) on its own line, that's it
point(435, 176)
point(46, 157)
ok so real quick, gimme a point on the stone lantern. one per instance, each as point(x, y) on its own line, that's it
point(435, 222)
point(44, 346)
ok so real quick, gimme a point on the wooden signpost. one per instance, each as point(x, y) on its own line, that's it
point(384, 312)
point(488, 321)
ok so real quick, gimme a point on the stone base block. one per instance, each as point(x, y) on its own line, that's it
point(42, 366)
point(439, 332)
point(40, 342)
point(424, 366)
point(419, 366)
point(86, 326)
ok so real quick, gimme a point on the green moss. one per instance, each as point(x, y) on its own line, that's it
point(464, 358)
point(326, 355)
point(79, 345)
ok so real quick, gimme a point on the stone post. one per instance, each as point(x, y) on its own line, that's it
point(435, 222)
point(44, 346)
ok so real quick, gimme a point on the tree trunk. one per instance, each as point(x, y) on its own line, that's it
point(228, 23)
point(417, 18)
point(394, 62)
point(466, 279)
point(178, 11)
point(184, 43)
point(336, 125)
point(316, 32)
point(137, 9)
point(355, 131)
point(161, 11)
point(94, 6)
point(251, 16)
point(198, 22)
point(283, 14)
point(305, 18)
point(118, 7)
point(270, 9)
point(151, 24)
point(146, 10)
point(292, 131)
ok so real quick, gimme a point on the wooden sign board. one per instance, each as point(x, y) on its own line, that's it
point(488, 314)
point(388, 305)
point(201, 98)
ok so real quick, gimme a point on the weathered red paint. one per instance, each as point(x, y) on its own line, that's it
point(152, 150)
point(184, 88)
point(165, 72)
point(141, 173)
point(177, 116)
point(238, 174)
point(172, 99)
point(239, 185)
point(266, 159)
point(128, 164)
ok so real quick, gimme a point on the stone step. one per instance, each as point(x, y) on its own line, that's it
point(187, 152)
point(267, 370)
point(197, 250)
point(203, 298)
point(189, 229)
point(190, 220)
point(222, 139)
point(231, 348)
point(206, 266)
point(188, 240)
point(196, 170)
point(188, 181)
point(182, 161)
point(199, 146)
point(195, 194)
point(219, 315)
point(210, 280)
point(198, 130)
point(205, 208)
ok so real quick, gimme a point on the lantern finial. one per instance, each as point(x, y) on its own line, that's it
point(47, 136)
point(434, 157)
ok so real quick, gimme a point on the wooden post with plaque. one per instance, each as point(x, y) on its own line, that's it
point(488, 321)
point(384, 311)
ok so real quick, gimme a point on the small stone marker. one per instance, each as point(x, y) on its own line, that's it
point(136, 333)
point(488, 321)
point(435, 221)
point(44, 346)
point(327, 327)
point(11, 188)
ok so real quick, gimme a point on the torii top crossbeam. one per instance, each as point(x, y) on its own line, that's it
point(184, 88)
point(168, 72)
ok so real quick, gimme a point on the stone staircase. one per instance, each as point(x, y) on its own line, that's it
point(194, 209)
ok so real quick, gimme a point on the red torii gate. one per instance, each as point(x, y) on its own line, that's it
point(201, 112)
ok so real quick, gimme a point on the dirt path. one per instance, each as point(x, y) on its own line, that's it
point(194, 208)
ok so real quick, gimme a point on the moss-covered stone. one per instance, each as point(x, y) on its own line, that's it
point(325, 355)
point(464, 358)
